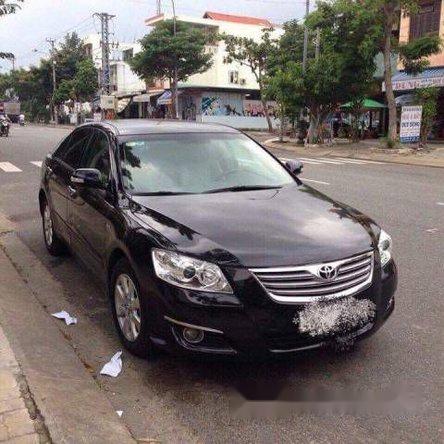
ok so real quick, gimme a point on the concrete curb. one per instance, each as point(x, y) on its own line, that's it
point(73, 407)
point(331, 153)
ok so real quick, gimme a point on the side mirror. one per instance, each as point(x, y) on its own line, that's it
point(294, 166)
point(88, 177)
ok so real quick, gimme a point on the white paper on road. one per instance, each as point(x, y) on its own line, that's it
point(114, 366)
point(119, 413)
point(66, 316)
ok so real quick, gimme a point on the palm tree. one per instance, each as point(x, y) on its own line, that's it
point(5, 9)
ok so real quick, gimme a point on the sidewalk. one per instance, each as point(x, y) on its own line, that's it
point(65, 400)
point(16, 424)
point(365, 150)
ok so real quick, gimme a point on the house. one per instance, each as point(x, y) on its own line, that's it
point(428, 20)
point(125, 84)
point(225, 93)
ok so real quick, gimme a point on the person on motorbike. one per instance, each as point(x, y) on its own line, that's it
point(4, 125)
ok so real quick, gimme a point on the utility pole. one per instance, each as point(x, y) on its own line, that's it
point(305, 53)
point(174, 92)
point(159, 7)
point(105, 81)
point(54, 80)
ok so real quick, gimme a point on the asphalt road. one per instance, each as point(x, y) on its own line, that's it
point(178, 400)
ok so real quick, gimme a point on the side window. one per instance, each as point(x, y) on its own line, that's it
point(59, 153)
point(96, 155)
point(71, 151)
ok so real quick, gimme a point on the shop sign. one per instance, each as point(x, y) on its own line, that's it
point(108, 102)
point(411, 84)
point(410, 130)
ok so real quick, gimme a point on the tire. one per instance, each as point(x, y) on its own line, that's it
point(128, 305)
point(53, 242)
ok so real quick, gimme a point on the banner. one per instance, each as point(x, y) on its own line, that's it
point(410, 129)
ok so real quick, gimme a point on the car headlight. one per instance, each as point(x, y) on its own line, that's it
point(187, 272)
point(385, 248)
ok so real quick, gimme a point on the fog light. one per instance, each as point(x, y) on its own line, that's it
point(192, 335)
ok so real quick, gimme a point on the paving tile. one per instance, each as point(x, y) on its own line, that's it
point(11, 404)
point(33, 438)
point(17, 422)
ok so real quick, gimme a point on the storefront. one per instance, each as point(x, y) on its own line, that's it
point(405, 85)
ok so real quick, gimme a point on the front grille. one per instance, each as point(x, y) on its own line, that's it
point(304, 284)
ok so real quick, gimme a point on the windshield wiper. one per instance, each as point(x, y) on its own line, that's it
point(243, 188)
point(161, 193)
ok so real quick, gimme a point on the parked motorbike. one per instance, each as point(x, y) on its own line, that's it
point(4, 129)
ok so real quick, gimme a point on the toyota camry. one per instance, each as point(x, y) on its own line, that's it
point(209, 244)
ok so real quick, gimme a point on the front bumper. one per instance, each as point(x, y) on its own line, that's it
point(254, 325)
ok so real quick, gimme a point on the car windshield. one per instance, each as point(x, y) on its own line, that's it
point(197, 163)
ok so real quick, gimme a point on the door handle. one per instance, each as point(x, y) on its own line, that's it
point(72, 191)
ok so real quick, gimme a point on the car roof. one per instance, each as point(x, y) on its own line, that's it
point(129, 127)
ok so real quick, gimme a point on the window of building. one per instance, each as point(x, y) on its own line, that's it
point(233, 77)
point(127, 54)
point(427, 20)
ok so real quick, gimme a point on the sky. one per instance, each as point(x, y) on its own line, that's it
point(27, 30)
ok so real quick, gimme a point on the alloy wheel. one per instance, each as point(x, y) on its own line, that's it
point(47, 225)
point(127, 303)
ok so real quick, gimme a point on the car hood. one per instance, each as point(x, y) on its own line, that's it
point(294, 225)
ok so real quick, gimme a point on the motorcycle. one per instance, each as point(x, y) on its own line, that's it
point(4, 128)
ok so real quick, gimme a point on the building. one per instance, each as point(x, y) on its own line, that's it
point(125, 84)
point(226, 93)
point(428, 20)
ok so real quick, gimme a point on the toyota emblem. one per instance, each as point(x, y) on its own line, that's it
point(328, 273)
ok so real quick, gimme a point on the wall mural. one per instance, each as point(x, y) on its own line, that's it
point(233, 105)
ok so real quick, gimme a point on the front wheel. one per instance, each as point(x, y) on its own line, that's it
point(54, 244)
point(129, 310)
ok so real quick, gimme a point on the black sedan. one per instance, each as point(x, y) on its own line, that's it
point(207, 244)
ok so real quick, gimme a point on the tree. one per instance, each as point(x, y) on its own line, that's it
point(257, 56)
point(77, 80)
point(428, 98)
point(343, 70)
point(68, 55)
point(5, 9)
point(385, 15)
point(163, 52)
point(85, 81)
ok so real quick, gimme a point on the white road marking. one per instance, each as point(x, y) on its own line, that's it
point(319, 160)
point(271, 140)
point(37, 163)
point(440, 203)
point(8, 167)
point(314, 181)
point(359, 160)
point(330, 160)
point(313, 162)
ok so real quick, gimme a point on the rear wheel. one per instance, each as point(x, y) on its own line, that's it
point(129, 310)
point(54, 244)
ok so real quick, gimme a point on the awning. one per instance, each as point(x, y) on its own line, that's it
point(167, 97)
point(405, 99)
point(367, 104)
point(122, 104)
point(431, 77)
point(144, 98)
